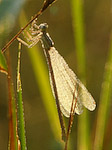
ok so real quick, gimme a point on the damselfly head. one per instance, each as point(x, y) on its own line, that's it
point(43, 26)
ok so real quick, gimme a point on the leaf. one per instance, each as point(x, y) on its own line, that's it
point(20, 105)
point(3, 64)
point(105, 102)
point(13, 133)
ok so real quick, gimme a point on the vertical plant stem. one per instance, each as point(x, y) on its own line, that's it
point(13, 135)
point(105, 98)
point(78, 28)
point(3, 64)
point(20, 106)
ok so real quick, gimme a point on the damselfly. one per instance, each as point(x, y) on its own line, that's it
point(70, 94)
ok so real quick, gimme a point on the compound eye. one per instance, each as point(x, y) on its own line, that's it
point(43, 26)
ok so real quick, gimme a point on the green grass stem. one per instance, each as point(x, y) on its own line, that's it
point(13, 134)
point(20, 106)
point(78, 28)
point(3, 64)
point(104, 103)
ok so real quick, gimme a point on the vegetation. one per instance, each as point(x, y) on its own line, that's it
point(32, 120)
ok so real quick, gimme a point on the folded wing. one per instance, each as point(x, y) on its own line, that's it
point(68, 85)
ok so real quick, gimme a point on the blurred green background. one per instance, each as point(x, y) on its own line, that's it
point(97, 29)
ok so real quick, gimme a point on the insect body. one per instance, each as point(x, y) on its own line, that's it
point(68, 91)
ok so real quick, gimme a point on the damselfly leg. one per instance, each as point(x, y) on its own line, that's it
point(33, 37)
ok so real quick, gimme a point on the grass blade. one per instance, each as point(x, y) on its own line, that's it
point(13, 135)
point(105, 98)
point(3, 64)
point(78, 28)
point(20, 106)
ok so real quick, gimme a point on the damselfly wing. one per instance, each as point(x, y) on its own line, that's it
point(66, 81)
